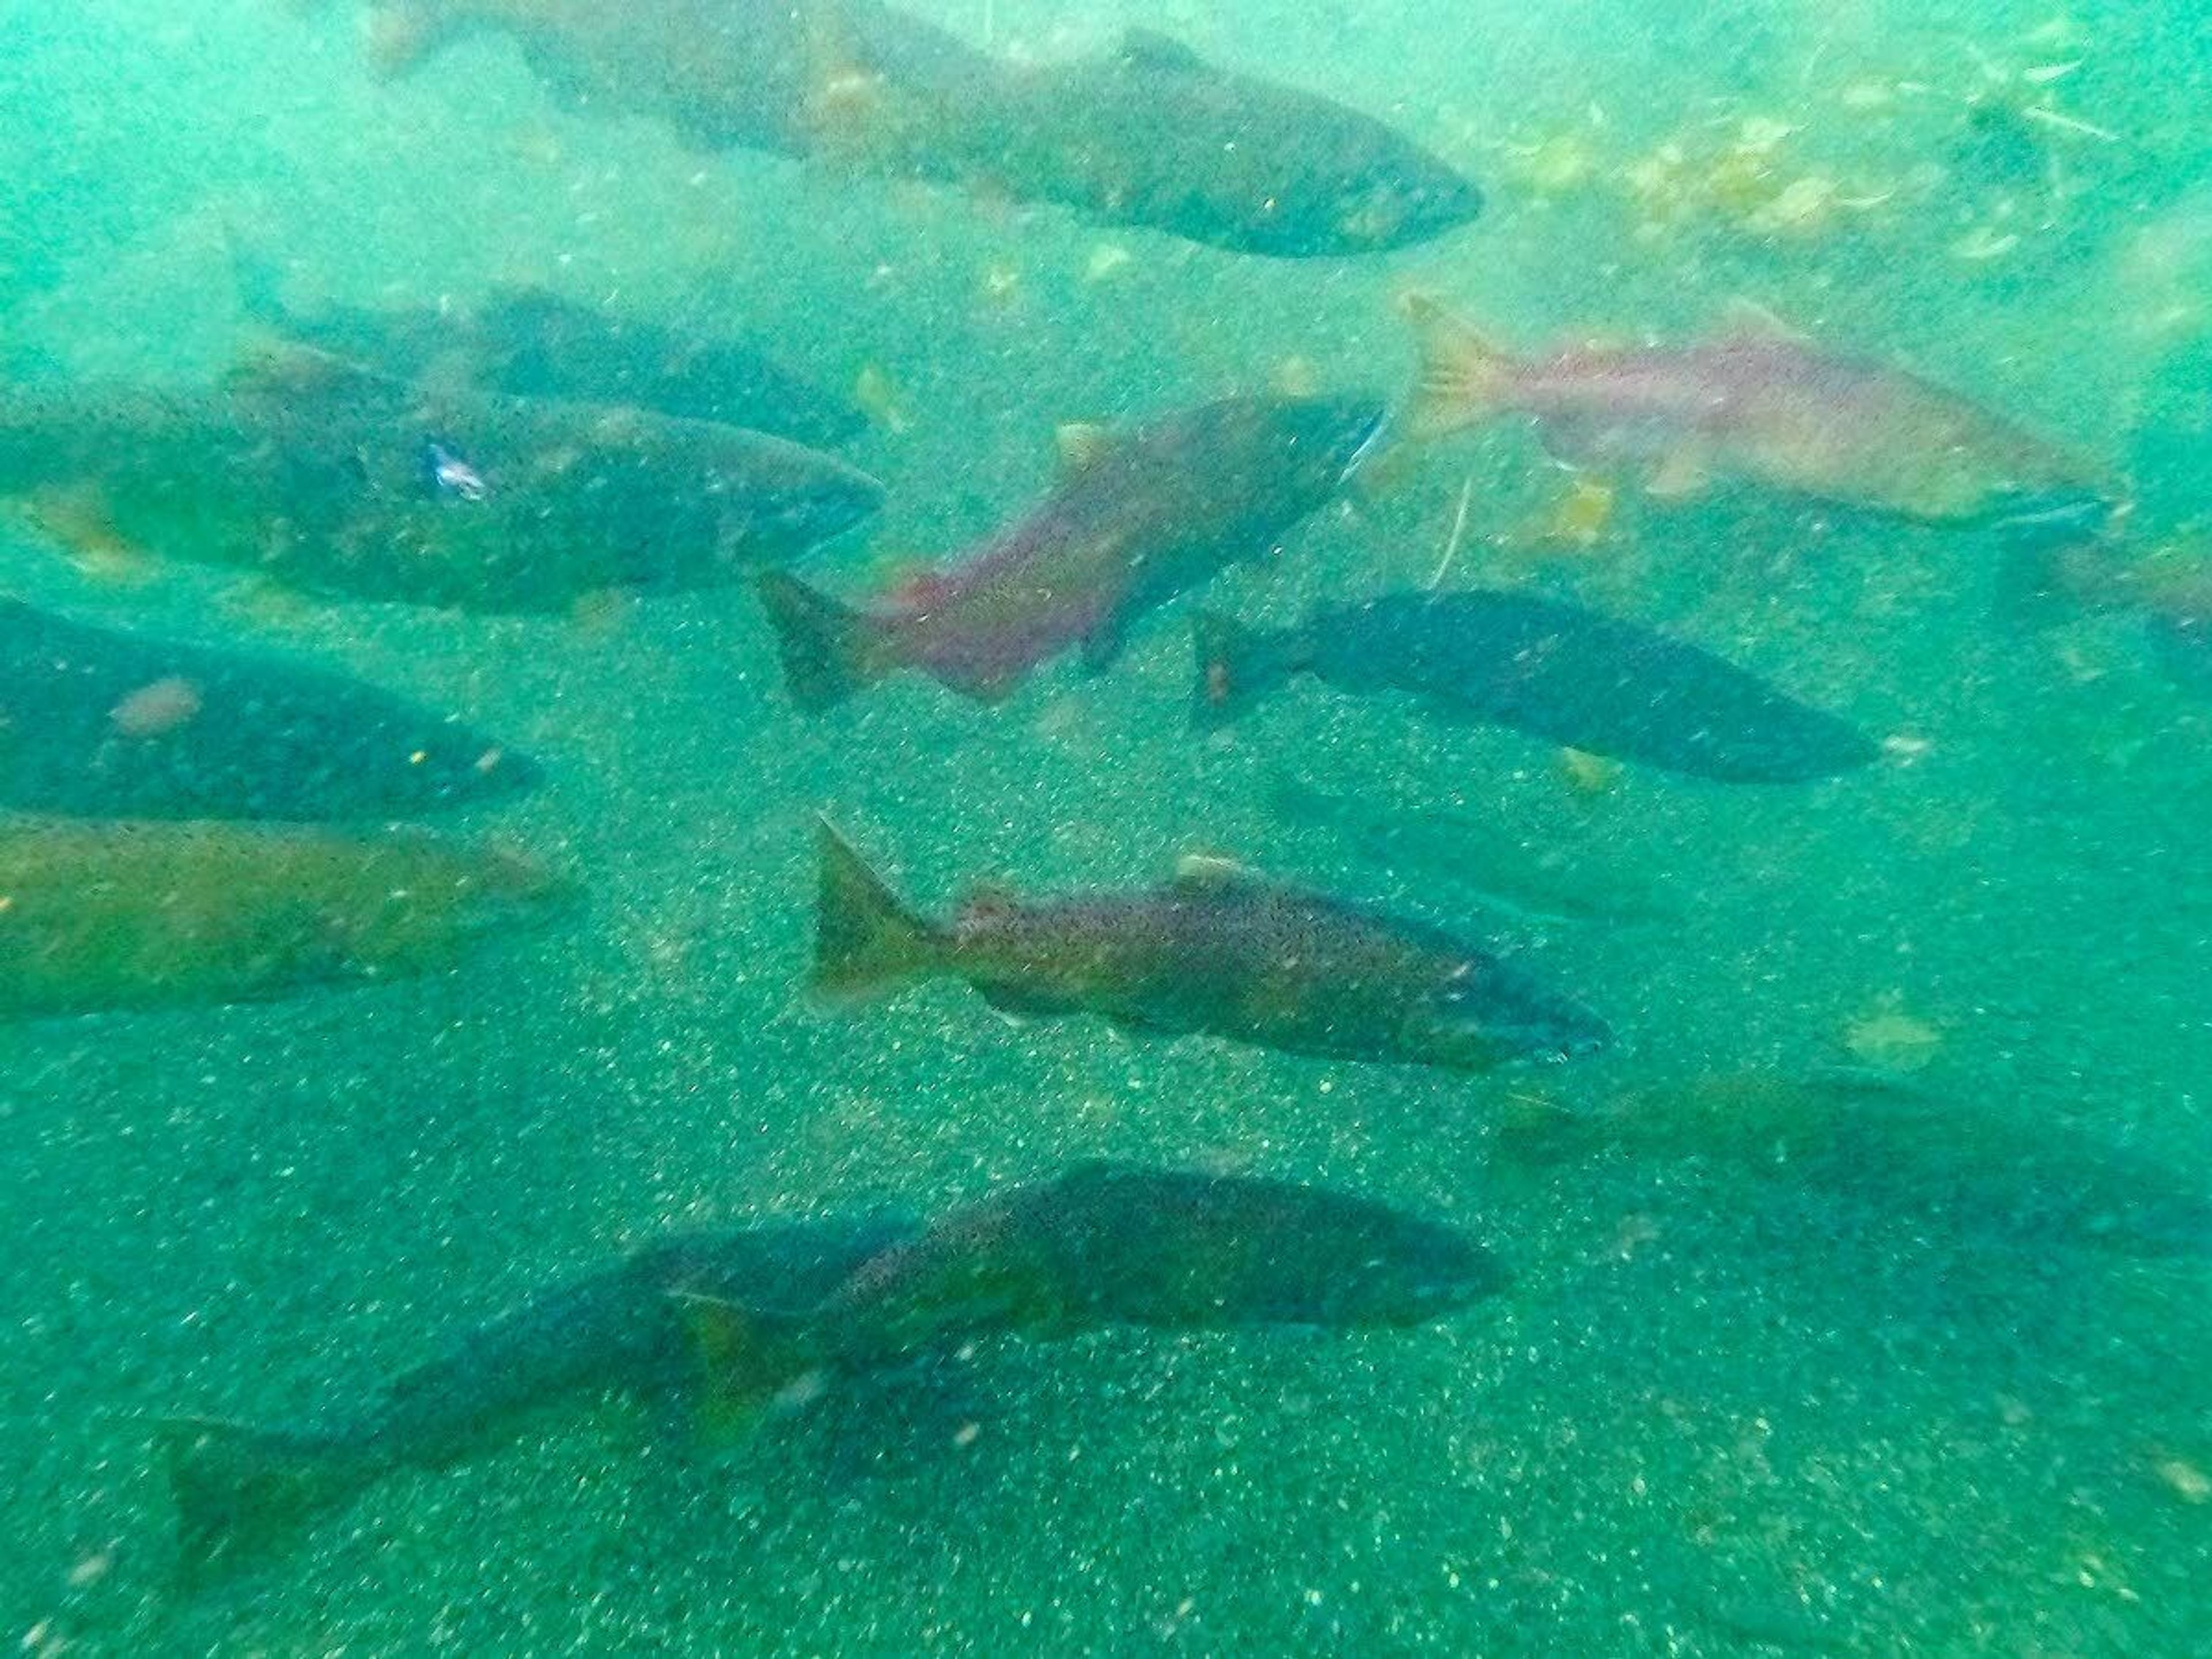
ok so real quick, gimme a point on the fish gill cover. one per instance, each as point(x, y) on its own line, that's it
point(1534, 979)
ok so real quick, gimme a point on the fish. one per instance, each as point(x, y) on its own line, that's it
point(1104, 1244)
point(1758, 404)
point(241, 1491)
point(105, 724)
point(531, 342)
point(1135, 519)
point(122, 914)
point(718, 74)
point(2167, 591)
point(324, 477)
point(1218, 952)
point(1542, 667)
point(1146, 133)
point(1519, 884)
point(1892, 1142)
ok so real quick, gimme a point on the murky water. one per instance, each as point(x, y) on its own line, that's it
point(1857, 1285)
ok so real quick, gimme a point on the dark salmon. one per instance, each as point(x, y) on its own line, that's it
point(100, 724)
point(337, 481)
point(241, 1490)
point(1103, 1244)
point(1553, 669)
point(1147, 133)
point(533, 343)
point(1217, 951)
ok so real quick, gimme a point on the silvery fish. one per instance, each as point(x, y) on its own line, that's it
point(1760, 406)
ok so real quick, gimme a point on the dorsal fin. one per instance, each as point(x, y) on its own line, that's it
point(1211, 872)
point(1081, 444)
point(1148, 49)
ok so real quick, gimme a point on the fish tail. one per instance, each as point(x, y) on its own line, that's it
point(1462, 376)
point(830, 650)
point(241, 1491)
point(865, 937)
point(749, 1360)
point(1235, 666)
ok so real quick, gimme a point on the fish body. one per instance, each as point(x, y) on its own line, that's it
point(1761, 406)
point(1147, 134)
point(1217, 951)
point(1103, 1244)
point(1896, 1144)
point(1553, 670)
point(1150, 134)
point(342, 482)
point(1135, 520)
point(1109, 1244)
point(101, 724)
point(238, 1488)
point(721, 74)
point(532, 343)
point(112, 915)
point(1520, 884)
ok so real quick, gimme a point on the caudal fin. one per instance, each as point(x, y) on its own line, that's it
point(864, 938)
point(830, 650)
point(749, 1361)
point(1235, 667)
point(241, 1492)
point(1462, 376)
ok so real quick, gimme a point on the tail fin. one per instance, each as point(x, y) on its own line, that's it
point(241, 1490)
point(830, 650)
point(865, 937)
point(1236, 666)
point(749, 1361)
point(1462, 376)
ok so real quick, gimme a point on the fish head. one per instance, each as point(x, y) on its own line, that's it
point(1326, 439)
point(455, 764)
point(1409, 1271)
point(1488, 1015)
point(787, 499)
point(1411, 198)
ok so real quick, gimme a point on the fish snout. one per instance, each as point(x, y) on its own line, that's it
point(1406, 206)
point(1487, 1020)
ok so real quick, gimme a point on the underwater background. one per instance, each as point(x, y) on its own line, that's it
point(1944, 1391)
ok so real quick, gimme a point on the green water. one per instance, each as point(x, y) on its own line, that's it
point(1733, 1404)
